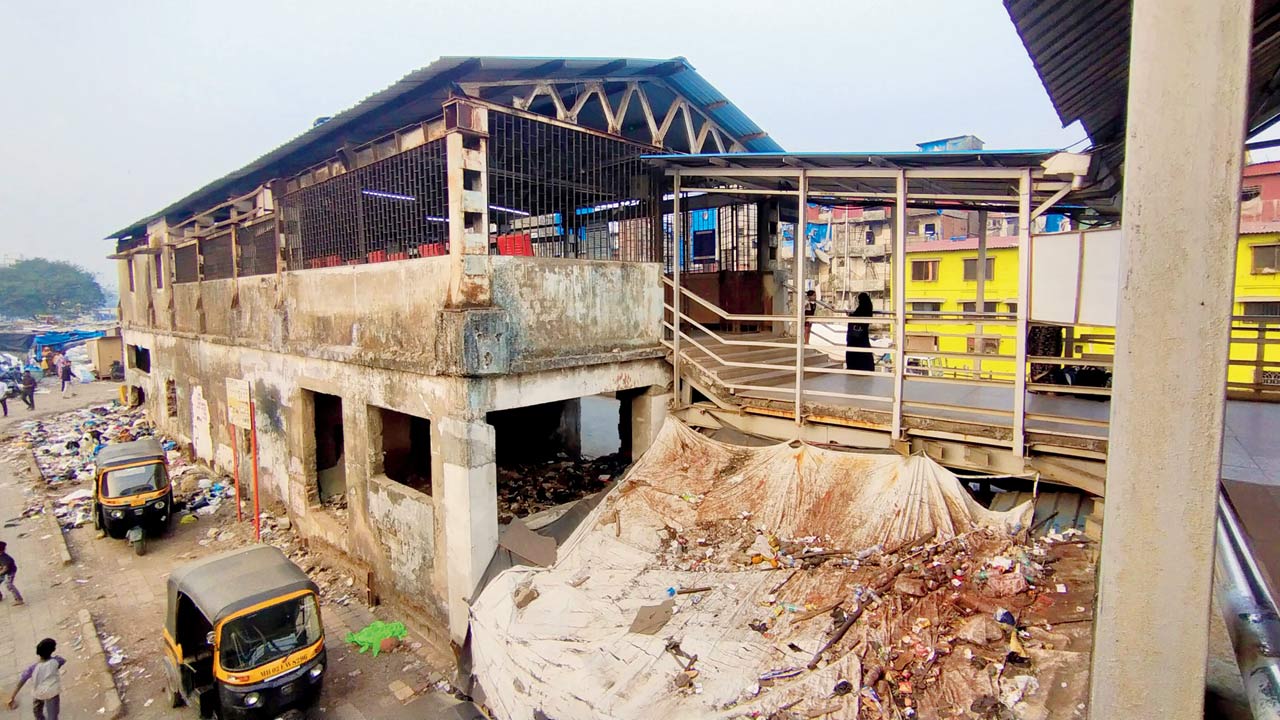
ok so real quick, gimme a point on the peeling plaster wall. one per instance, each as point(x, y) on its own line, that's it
point(376, 335)
point(404, 521)
point(568, 308)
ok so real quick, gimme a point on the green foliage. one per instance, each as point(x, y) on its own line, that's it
point(39, 286)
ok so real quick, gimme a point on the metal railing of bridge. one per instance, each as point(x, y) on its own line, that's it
point(798, 367)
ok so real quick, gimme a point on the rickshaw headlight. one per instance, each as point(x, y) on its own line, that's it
point(117, 514)
point(159, 505)
point(252, 699)
point(316, 670)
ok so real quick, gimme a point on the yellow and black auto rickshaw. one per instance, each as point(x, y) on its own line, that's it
point(132, 497)
point(243, 637)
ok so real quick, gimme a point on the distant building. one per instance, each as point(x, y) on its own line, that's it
point(959, 143)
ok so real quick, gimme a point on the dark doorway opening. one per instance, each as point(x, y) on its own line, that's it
point(331, 471)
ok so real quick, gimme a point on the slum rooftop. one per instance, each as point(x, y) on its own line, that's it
point(421, 93)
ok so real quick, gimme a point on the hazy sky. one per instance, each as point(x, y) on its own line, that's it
point(113, 110)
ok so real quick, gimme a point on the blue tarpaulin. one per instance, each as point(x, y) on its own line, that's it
point(63, 340)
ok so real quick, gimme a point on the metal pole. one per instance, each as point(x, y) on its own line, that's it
point(1024, 297)
point(235, 454)
point(677, 244)
point(981, 304)
point(899, 299)
point(801, 240)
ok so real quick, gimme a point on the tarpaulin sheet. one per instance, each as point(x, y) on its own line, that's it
point(692, 513)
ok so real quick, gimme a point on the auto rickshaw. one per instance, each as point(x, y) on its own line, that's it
point(132, 496)
point(243, 637)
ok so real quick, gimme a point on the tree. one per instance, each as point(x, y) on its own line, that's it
point(38, 286)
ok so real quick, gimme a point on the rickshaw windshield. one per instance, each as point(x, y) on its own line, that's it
point(269, 634)
point(134, 480)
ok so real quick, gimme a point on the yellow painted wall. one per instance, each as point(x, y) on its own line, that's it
point(951, 289)
point(1244, 345)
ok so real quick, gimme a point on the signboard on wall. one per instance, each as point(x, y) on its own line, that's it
point(1075, 277)
point(238, 403)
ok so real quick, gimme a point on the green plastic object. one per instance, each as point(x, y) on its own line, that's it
point(371, 637)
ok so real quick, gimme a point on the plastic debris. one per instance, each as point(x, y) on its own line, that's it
point(371, 636)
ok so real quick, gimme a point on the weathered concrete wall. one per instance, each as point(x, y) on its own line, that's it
point(394, 531)
point(561, 310)
point(401, 518)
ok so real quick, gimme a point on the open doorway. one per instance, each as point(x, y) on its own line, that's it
point(331, 470)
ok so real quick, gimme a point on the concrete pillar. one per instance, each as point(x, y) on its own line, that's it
point(648, 412)
point(569, 432)
point(470, 507)
point(466, 144)
point(1188, 68)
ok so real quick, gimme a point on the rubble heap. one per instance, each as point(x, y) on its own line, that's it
point(528, 488)
point(790, 582)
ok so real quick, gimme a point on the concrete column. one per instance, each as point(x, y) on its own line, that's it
point(648, 412)
point(470, 508)
point(1187, 89)
point(569, 431)
point(466, 146)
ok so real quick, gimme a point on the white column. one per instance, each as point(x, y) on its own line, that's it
point(1187, 90)
point(798, 248)
point(1024, 299)
point(467, 167)
point(899, 300)
point(470, 509)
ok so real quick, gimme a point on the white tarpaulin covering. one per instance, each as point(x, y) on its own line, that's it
point(696, 513)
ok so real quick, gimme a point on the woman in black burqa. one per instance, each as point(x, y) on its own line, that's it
point(858, 335)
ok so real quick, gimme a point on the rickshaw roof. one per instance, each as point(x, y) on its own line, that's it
point(223, 584)
point(130, 452)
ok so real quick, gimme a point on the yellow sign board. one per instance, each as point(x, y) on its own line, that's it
point(239, 404)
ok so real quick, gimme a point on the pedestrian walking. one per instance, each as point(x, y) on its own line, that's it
point(8, 572)
point(64, 374)
point(28, 394)
point(45, 676)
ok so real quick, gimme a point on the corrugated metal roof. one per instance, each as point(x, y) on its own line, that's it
point(1081, 51)
point(420, 94)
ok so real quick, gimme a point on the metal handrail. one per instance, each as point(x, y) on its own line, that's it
point(1249, 610)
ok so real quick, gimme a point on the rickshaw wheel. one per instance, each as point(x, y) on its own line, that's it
point(140, 546)
point(175, 697)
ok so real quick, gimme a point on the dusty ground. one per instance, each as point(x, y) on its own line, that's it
point(125, 592)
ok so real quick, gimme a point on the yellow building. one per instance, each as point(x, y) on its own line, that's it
point(942, 278)
point(1257, 308)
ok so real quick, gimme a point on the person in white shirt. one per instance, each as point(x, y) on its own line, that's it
point(45, 676)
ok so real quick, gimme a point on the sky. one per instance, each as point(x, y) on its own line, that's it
point(113, 110)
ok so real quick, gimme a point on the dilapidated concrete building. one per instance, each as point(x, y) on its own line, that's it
point(414, 283)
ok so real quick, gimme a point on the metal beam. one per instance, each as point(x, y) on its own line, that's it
point(1024, 299)
point(800, 240)
point(899, 300)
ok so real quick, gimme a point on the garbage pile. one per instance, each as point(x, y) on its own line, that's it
point(65, 446)
point(789, 582)
point(528, 488)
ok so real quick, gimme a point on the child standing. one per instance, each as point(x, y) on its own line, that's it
point(46, 682)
